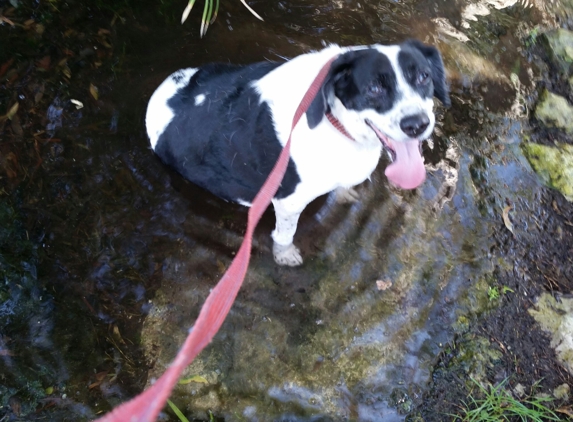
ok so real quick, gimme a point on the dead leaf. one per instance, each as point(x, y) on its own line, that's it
point(12, 112)
point(77, 103)
point(117, 336)
point(15, 405)
point(383, 284)
point(43, 63)
point(196, 378)
point(506, 219)
point(17, 127)
point(94, 91)
point(5, 66)
point(8, 21)
point(566, 410)
point(67, 72)
point(39, 94)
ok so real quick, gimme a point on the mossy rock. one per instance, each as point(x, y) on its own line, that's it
point(559, 46)
point(555, 111)
point(556, 317)
point(554, 165)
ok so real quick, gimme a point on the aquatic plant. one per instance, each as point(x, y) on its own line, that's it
point(210, 13)
point(498, 405)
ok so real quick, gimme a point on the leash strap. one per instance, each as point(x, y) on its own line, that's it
point(146, 406)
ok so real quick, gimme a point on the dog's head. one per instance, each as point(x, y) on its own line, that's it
point(386, 93)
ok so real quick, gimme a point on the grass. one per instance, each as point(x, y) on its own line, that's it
point(498, 405)
point(210, 10)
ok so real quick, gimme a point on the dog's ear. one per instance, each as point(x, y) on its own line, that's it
point(431, 53)
point(319, 106)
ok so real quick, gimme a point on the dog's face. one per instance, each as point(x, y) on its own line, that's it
point(386, 93)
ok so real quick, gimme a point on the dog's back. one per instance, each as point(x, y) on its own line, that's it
point(216, 132)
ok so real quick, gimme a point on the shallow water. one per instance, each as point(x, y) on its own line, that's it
point(122, 252)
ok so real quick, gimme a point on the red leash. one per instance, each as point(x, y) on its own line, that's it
point(146, 406)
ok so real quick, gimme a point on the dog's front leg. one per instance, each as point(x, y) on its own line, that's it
point(284, 251)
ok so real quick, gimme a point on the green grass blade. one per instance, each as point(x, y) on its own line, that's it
point(255, 14)
point(177, 412)
point(187, 11)
point(204, 23)
point(215, 13)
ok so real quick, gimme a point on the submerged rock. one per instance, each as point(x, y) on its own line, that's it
point(556, 317)
point(554, 165)
point(559, 43)
point(555, 111)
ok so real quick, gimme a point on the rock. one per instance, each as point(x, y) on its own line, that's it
point(554, 165)
point(562, 392)
point(556, 317)
point(559, 44)
point(555, 111)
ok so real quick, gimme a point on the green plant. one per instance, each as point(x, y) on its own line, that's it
point(177, 412)
point(210, 13)
point(492, 293)
point(499, 405)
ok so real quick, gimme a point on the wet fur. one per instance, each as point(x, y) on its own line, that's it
point(223, 126)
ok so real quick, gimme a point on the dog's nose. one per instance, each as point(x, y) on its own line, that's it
point(415, 125)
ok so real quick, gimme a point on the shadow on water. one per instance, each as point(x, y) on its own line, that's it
point(107, 256)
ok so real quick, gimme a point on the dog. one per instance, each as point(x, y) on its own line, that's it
point(223, 126)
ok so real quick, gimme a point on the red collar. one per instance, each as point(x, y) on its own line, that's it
point(338, 125)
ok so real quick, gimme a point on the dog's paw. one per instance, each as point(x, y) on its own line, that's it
point(346, 195)
point(287, 255)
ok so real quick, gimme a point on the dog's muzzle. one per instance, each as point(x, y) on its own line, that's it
point(407, 169)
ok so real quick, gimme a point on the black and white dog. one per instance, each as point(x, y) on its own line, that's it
point(223, 126)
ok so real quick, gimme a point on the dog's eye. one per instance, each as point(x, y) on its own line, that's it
point(375, 90)
point(423, 78)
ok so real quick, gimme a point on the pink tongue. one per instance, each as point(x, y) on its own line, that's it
point(407, 171)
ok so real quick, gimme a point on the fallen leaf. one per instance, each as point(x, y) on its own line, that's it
point(566, 410)
point(506, 219)
point(49, 390)
point(15, 405)
point(77, 103)
point(39, 94)
point(8, 21)
point(94, 91)
point(17, 127)
point(117, 336)
point(383, 284)
point(12, 111)
point(5, 66)
point(196, 378)
point(43, 63)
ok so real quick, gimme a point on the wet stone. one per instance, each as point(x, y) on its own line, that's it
point(556, 317)
point(555, 111)
point(559, 43)
point(554, 165)
point(562, 392)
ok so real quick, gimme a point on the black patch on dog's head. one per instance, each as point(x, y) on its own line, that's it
point(360, 79)
point(411, 58)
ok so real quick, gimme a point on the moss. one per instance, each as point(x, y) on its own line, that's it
point(555, 111)
point(556, 317)
point(559, 45)
point(554, 165)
